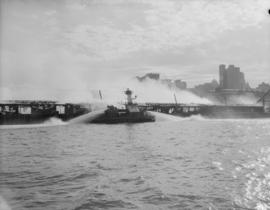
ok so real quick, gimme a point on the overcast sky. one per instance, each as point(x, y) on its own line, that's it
point(62, 45)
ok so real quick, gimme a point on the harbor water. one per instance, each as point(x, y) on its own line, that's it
point(174, 163)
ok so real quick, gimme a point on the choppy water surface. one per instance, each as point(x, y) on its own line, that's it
point(171, 164)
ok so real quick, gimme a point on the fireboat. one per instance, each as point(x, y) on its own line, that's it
point(132, 113)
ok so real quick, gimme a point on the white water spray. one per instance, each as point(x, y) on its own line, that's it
point(160, 117)
point(86, 118)
point(48, 123)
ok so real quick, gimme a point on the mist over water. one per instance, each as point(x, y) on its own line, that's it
point(112, 88)
point(149, 91)
point(245, 99)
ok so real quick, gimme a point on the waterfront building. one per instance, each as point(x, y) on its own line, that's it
point(231, 78)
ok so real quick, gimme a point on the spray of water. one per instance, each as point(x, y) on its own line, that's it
point(58, 122)
point(54, 121)
point(247, 99)
point(48, 123)
point(161, 117)
point(86, 118)
point(150, 91)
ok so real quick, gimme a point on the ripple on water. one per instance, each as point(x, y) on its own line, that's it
point(255, 193)
point(172, 165)
point(102, 201)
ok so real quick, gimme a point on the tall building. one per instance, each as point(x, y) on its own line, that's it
point(222, 78)
point(231, 78)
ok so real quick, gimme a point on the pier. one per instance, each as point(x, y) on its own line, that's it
point(16, 112)
point(211, 111)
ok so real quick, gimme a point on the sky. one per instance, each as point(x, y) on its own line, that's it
point(53, 48)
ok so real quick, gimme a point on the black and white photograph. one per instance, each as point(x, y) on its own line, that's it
point(134, 104)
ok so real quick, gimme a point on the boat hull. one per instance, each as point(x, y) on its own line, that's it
point(138, 117)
